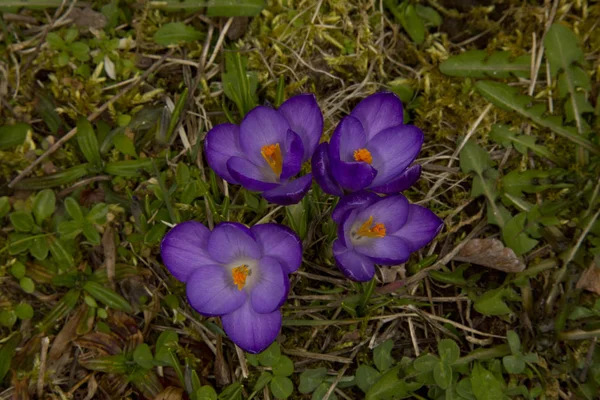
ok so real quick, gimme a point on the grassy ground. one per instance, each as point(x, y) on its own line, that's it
point(87, 310)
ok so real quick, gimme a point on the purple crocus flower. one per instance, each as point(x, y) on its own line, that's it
point(236, 273)
point(370, 149)
point(266, 151)
point(379, 230)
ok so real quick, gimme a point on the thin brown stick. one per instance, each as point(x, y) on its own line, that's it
point(92, 117)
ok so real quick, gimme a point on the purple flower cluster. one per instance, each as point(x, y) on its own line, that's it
point(240, 273)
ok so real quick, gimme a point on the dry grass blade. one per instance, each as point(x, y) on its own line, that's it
point(490, 253)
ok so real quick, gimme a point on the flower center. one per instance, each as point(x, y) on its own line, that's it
point(369, 229)
point(363, 155)
point(272, 155)
point(239, 275)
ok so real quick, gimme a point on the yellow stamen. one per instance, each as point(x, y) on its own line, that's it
point(272, 155)
point(239, 275)
point(369, 229)
point(363, 155)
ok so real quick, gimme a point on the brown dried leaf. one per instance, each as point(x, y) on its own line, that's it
point(64, 340)
point(590, 279)
point(87, 18)
point(490, 253)
point(170, 393)
point(110, 255)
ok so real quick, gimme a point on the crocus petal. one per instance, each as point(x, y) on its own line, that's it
point(228, 242)
point(388, 250)
point(345, 227)
point(348, 137)
point(353, 176)
point(262, 126)
point(251, 176)
point(321, 168)
point(211, 291)
point(251, 331)
point(353, 200)
point(402, 182)
point(393, 150)
point(420, 228)
point(378, 112)
point(290, 192)
point(281, 243)
point(184, 249)
point(354, 265)
point(391, 211)
point(292, 158)
point(271, 289)
point(222, 143)
point(305, 118)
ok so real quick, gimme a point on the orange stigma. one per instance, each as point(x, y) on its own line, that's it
point(239, 275)
point(363, 155)
point(272, 155)
point(369, 229)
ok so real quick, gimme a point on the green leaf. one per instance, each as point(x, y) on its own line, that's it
point(386, 386)
point(503, 135)
point(22, 221)
point(532, 181)
point(509, 98)
point(24, 311)
point(55, 42)
point(464, 389)
point(311, 379)
point(366, 376)
point(27, 285)
point(128, 168)
point(4, 206)
point(321, 391)
point(564, 51)
point(73, 209)
point(88, 143)
point(413, 24)
point(206, 392)
point(39, 248)
point(49, 181)
point(8, 318)
point(143, 356)
point(62, 257)
point(492, 303)
point(485, 385)
point(7, 352)
point(448, 350)
point(481, 64)
point(44, 205)
point(283, 367)
point(69, 229)
point(176, 32)
point(442, 373)
point(513, 341)
point(18, 242)
point(116, 364)
point(18, 270)
point(425, 362)
point(382, 355)
point(47, 109)
point(270, 356)
point(107, 296)
point(125, 145)
point(514, 236)
point(60, 310)
point(234, 8)
point(474, 158)
point(281, 387)
point(98, 213)
point(166, 340)
point(80, 50)
point(262, 381)
point(239, 85)
point(13, 135)
point(514, 364)
point(429, 15)
point(90, 233)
